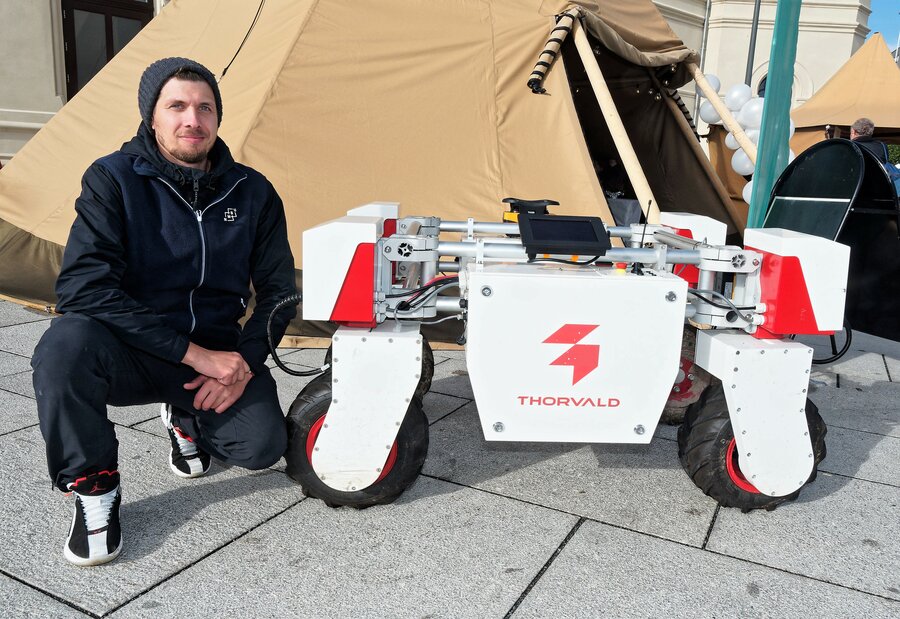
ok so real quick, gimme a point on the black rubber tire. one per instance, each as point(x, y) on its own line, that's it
point(425, 376)
point(412, 447)
point(703, 441)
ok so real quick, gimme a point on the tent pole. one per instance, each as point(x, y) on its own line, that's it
point(728, 118)
point(616, 128)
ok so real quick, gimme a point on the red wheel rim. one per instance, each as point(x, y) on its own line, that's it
point(314, 434)
point(734, 471)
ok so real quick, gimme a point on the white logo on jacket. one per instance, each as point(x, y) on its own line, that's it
point(230, 214)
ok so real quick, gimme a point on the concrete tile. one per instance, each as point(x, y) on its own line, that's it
point(288, 385)
point(862, 455)
point(452, 378)
point(17, 412)
point(22, 601)
point(639, 487)
point(608, 572)
point(869, 409)
point(438, 405)
point(893, 366)
point(667, 432)
point(842, 531)
point(18, 383)
point(439, 551)
point(168, 523)
point(21, 339)
point(12, 314)
point(858, 368)
point(13, 364)
point(870, 343)
point(308, 358)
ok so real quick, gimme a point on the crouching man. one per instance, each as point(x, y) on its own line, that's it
point(170, 234)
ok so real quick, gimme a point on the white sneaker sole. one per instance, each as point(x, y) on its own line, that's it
point(184, 475)
point(74, 559)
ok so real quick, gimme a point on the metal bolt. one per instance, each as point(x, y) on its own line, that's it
point(407, 400)
point(334, 401)
point(324, 425)
point(390, 340)
point(334, 380)
point(733, 386)
point(804, 391)
point(737, 352)
point(363, 339)
point(738, 410)
point(807, 371)
point(754, 477)
point(486, 291)
point(690, 377)
point(418, 358)
point(397, 423)
point(762, 352)
point(756, 262)
point(735, 369)
point(315, 449)
point(806, 434)
point(353, 487)
point(387, 249)
point(810, 455)
point(676, 389)
point(378, 470)
point(743, 432)
point(417, 376)
point(671, 296)
point(334, 360)
point(498, 427)
point(802, 410)
point(785, 352)
point(748, 454)
point(335, 338)
point(639, 429)
point(321, 477)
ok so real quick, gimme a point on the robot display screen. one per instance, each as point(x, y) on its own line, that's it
point(557, 234)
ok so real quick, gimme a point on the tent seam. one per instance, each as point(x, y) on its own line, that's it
point(271, 88)
point(495, 105)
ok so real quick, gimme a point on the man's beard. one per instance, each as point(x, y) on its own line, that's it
point(190, 156)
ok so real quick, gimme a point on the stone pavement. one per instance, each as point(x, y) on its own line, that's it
point(488, 530)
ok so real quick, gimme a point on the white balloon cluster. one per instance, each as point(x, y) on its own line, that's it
point(748, 112)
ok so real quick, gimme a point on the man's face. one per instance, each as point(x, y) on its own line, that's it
point(185, 122)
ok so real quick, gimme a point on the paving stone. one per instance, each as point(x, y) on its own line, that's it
point(288, 385)
point(17, 412)
point(13, 314)
point(452, 378)
point(608, 572)
point(862, 455)
point(840, 530)
point(168, 523)
point(871, 343)
point(870, 409)
point(21, 601)
point(640, 487)
point(308, 358)
point(13, 364)
point(858, 368)
point(18, 383)
point(438, 405)
point(21, 339)
point(439, 551)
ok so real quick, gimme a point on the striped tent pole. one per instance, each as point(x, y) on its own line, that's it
point(564, 24)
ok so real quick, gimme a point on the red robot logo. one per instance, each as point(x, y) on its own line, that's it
point(583, 358)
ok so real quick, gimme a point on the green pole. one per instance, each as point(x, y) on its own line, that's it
point(772, 154)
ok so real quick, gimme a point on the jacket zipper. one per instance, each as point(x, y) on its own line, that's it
point(199, 215)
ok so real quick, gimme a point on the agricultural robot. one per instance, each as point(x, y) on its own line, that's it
point(574, 331)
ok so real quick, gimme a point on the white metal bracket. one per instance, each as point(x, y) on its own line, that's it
point(765, 383)
point(374, 376)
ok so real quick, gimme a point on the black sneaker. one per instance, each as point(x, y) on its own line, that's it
point(95, 536)
point(186, 459)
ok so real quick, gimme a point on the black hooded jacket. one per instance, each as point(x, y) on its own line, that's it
point(163, 255)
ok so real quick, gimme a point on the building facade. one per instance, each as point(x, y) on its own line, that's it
point(50, 48)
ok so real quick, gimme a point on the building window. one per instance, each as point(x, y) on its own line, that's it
point(96, 30)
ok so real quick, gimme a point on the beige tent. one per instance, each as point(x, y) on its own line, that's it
point(341, 103)
point(868, 85)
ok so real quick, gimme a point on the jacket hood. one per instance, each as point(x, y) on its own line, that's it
point(144, 145)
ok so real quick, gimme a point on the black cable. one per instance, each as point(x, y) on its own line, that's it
point(730, 306)
point(561, 261)
point(422, 289)
point(246, 36)
point(294, 299)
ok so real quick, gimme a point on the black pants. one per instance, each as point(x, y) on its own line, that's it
point(80, 367)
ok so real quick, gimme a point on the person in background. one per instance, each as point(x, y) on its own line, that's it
point(861, 133)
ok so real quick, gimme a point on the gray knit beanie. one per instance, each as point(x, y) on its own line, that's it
point(157, 74)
